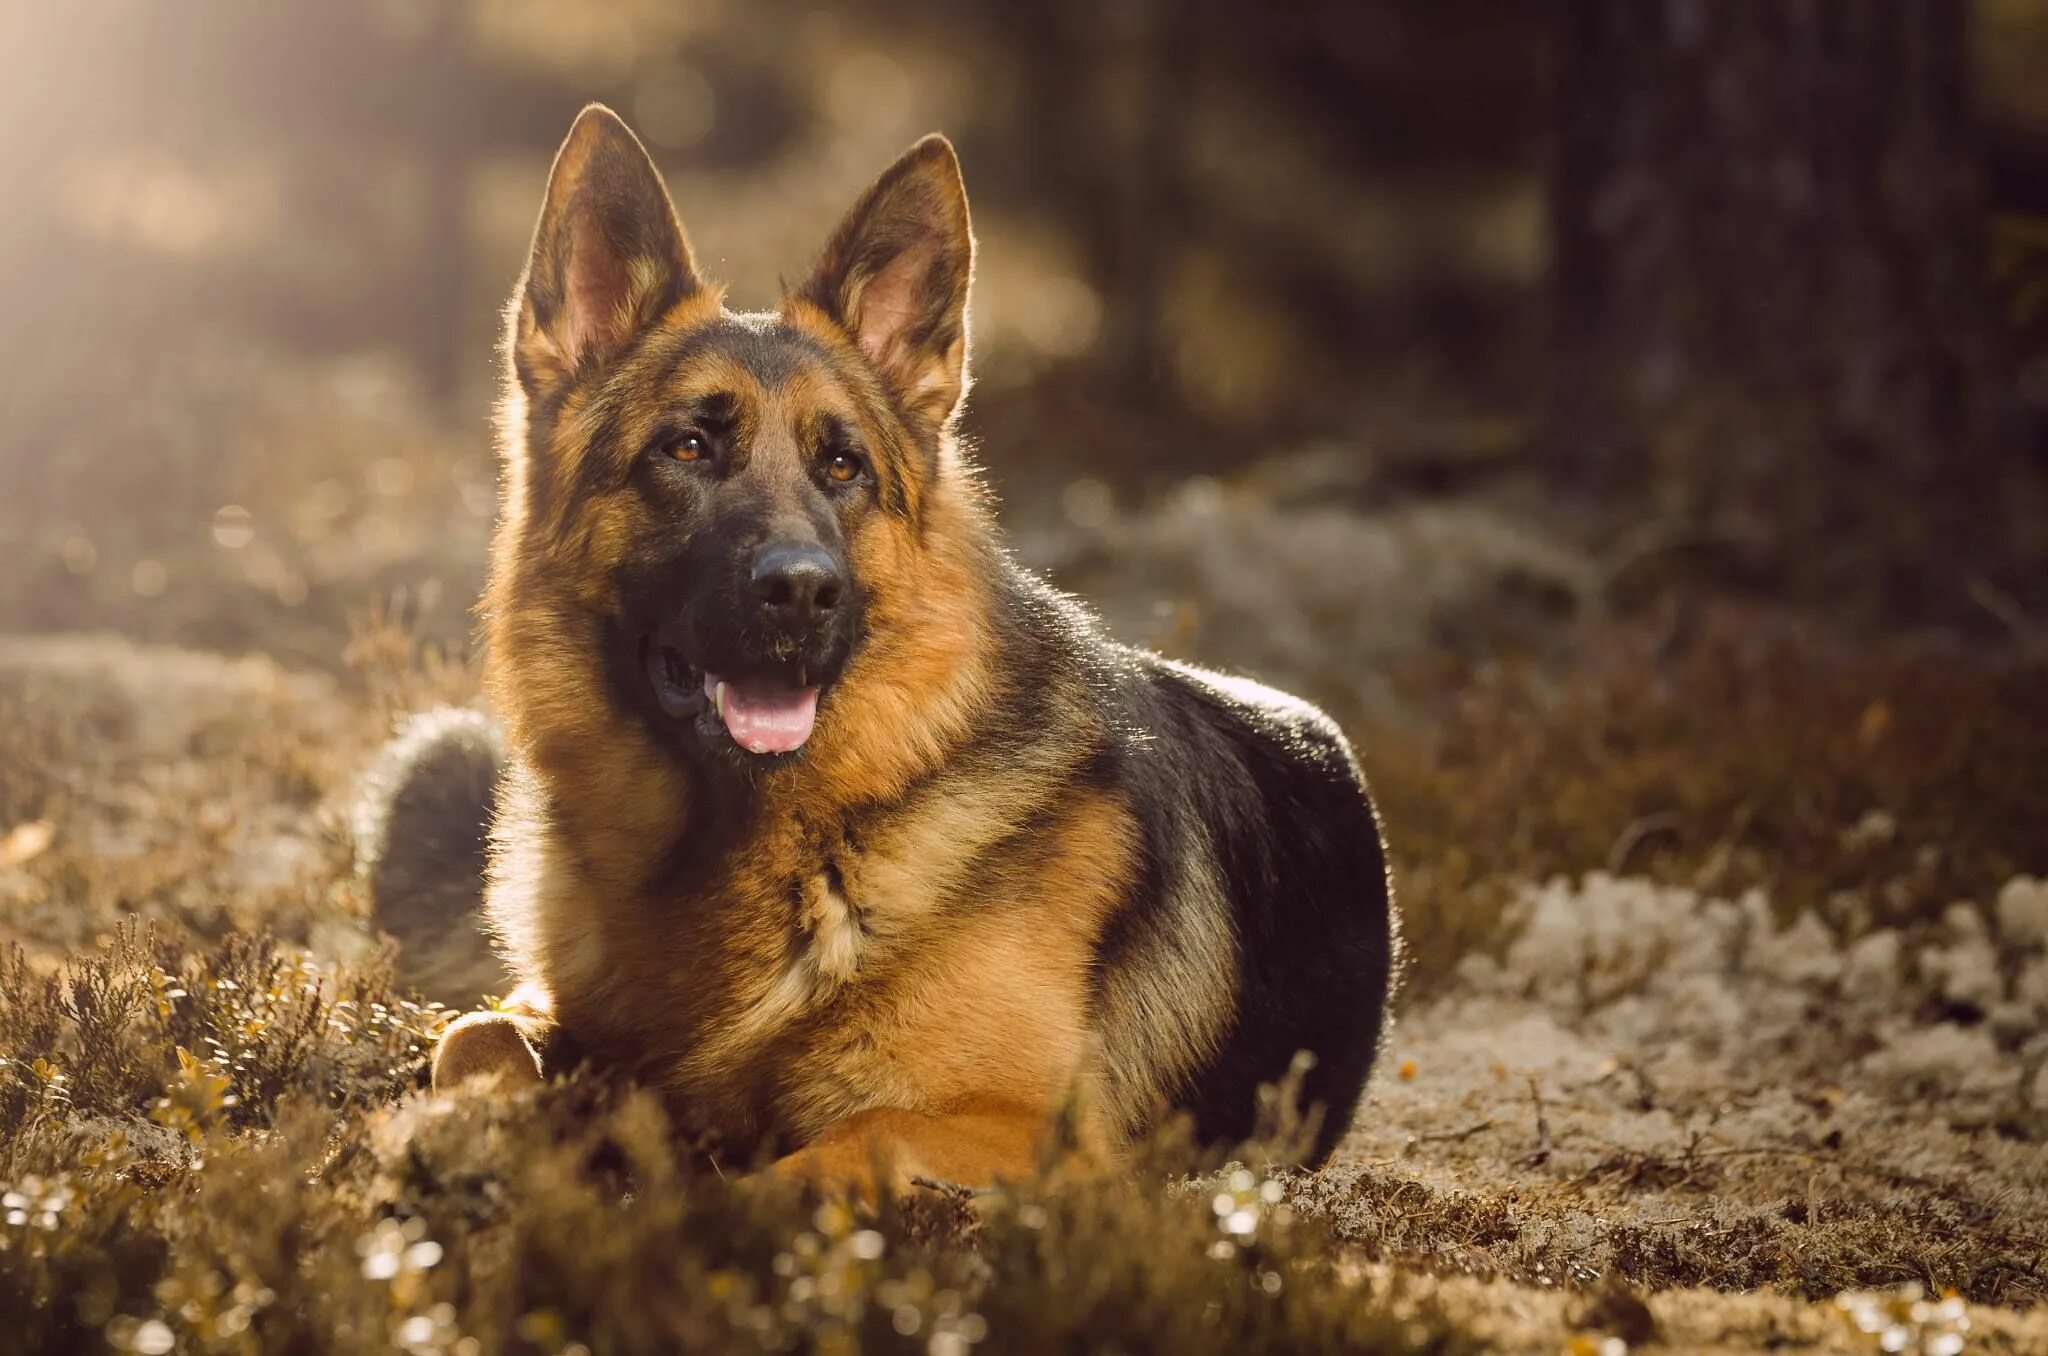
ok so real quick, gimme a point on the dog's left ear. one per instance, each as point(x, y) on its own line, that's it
point(896, 275)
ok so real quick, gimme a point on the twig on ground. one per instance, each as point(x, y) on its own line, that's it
point(2008, 612)
point(1541, 1154)
point(1465, 1133)
point(1640, 831)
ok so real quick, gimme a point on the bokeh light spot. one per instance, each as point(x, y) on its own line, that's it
point(233, 527)
point(149, 578)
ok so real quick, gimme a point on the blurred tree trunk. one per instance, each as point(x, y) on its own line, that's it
point(1105, 84)
point(1771, 315)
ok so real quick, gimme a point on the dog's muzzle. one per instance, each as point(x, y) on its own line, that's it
point(759, 686)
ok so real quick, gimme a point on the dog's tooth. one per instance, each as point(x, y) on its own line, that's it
point(718, 700)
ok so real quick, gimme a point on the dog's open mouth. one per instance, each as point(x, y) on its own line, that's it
point(763, 717)
point(760, 715)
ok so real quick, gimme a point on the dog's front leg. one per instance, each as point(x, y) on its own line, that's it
point(886, 1149)
point(500, 1048)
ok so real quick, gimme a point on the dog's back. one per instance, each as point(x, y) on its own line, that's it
point(1258, 795)
point(1261, 923)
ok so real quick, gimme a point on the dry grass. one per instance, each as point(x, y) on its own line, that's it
point(216, 1145)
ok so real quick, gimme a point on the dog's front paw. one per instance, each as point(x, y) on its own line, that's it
point(486, 1049)
point(837, 1171)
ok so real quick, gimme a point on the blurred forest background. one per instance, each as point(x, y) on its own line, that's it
point(1755, 295)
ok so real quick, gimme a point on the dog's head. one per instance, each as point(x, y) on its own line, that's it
point(721, 501)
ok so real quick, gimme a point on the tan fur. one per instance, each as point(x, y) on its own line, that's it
point(870, 1151)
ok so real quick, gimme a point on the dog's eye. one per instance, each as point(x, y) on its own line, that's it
point(688, 447)
point(844, 467)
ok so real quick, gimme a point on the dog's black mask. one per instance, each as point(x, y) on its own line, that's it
point(735, 626)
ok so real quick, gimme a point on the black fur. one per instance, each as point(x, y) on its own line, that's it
point(1262, 789)
point(1287, 815)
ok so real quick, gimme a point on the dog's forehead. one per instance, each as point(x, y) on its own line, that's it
point(762, 345)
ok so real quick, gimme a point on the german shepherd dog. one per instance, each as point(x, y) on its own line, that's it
point(816, 811)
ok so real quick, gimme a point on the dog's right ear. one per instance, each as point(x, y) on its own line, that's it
point(609, 258)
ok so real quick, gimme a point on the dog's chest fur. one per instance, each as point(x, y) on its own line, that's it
point(829, 927)
point(817, 975)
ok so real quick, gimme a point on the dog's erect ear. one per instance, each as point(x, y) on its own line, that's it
point(609, 258)
point(896, 274)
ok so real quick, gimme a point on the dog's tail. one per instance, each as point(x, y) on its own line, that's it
point(421, 827)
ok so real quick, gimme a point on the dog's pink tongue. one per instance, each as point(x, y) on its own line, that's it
point(767, 719)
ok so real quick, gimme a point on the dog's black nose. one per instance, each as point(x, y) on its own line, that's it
point(797, 583)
